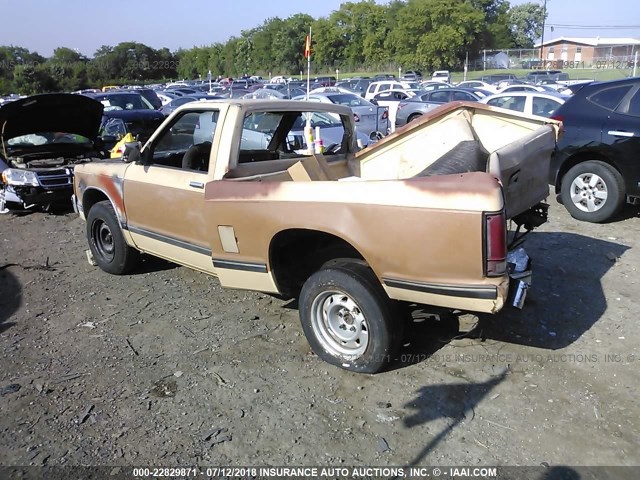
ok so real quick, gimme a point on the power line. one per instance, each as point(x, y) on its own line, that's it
point(620, 27)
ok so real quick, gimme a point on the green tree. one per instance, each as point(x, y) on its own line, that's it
point(526, 22)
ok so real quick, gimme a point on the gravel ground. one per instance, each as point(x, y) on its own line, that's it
point(166, 367)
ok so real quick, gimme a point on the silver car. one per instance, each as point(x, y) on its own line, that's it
point(370, 119)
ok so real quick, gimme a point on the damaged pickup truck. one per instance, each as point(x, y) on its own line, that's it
point(230, 188)
point(42, 138)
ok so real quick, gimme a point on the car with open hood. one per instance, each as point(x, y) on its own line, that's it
point(42, 138)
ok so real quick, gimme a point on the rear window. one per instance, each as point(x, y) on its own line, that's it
point(610, 98)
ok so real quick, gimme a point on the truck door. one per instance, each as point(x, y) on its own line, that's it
point(164, 197)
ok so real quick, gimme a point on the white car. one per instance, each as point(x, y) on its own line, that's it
point(478, 84)
point(382, 85)
point(524, 88)
point(441, 76)
point(533, 103)
point(391, 99)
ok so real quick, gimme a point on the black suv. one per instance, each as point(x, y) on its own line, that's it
point(596, 166)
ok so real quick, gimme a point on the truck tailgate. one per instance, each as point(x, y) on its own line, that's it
point(522, 167)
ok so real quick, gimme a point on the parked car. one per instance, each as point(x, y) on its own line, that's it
point(324, 81)
point(453, 94)
point(138, 125)
point(358, 85)
point(596, 166)
point(498, 77)
point(176, 102)
point(151, 97)
point(412, 76)
point(369, 118)
point(489, 87)
point(122, 100)
point(376, 87)
point(391, 99)
point(527, 88)
point(424, 102)
point(441, 76)
point(43, 138)
point(532, 103)
point(421, 223)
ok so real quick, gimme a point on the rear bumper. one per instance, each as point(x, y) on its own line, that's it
point(488, 297)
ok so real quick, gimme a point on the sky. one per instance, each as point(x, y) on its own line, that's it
point(43, 25)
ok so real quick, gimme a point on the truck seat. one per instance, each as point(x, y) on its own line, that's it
point(197, 157)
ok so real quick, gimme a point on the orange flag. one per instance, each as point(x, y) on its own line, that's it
point(307, 47)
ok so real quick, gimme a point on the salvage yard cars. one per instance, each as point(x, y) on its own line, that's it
point(43, 138)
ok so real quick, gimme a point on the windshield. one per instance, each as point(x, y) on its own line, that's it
point(125, 101)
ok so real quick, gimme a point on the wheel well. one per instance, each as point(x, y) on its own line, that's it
point(574, 160)
point(294, 255)
point(90, 198)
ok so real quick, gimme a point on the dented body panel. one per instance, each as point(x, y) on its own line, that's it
point(421, 228)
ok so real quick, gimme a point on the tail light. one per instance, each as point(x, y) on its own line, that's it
point(559, 118)
point(356, 117)
point(495, 244)
point(385, 114)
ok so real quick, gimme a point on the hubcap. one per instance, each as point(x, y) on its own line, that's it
point(589, 192)
point(103, 240)
point(339, 324)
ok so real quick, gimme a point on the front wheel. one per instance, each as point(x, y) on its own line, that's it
point(107, 244)
point(593, 191)
point(348, 318)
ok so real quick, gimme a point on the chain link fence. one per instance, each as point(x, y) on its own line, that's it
point(576, 57)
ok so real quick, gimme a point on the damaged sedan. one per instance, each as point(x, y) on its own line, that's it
point(42, 138)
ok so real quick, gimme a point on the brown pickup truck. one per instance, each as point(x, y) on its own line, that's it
point(229, 188)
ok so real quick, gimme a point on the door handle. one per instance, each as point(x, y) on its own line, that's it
point(195, 184)
point(620, 133)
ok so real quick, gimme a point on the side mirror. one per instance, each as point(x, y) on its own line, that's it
point(132, 152)
point(374, 101)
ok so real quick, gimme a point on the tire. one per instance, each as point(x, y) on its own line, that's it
point(593, 191)
point(358, 330)
point(107, 244)
point(413, 117)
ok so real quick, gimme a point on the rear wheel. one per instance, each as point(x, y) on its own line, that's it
point(593, 191)
point(348, 319)
point(107, 244)
point(413, 117)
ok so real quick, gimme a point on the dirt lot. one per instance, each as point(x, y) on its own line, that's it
point(141, 369)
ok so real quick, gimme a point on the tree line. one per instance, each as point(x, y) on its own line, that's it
point(359, 36)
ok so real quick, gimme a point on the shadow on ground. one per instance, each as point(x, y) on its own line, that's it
point(453, 402)
point(10, 297)
point(566, 300)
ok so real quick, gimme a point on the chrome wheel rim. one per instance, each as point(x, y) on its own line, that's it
point(339, 324)
point(589, 192)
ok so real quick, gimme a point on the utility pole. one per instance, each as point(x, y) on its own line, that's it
point(544, 16)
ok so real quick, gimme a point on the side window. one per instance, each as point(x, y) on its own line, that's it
point(609, 98)
point(510, 103)
point(115, 127)
point(544, 106)
point(258, 130)
point(371, 88)
point(385, 86)
point(462, 96)
point(634, 105)
point(440, 96)
point(187, 142)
